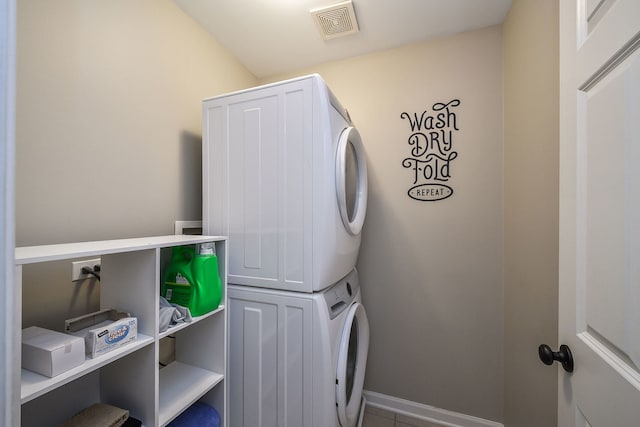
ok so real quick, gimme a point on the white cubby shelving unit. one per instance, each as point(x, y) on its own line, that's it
point(131, 377)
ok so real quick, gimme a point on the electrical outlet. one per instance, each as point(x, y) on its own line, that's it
point(76, 268)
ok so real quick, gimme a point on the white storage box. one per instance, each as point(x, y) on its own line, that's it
point(103, 330)
point(49, 352)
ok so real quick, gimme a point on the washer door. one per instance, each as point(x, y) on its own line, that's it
point(352, 361)
point(351, 180)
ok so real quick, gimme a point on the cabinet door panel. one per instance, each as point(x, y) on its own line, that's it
point(257, 177)
point(269, 359)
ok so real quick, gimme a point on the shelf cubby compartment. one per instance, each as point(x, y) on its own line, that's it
point(197, 373)
point(35, 385)
point(125, 382)
point(129, 376)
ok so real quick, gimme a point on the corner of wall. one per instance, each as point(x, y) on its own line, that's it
point(531, 139)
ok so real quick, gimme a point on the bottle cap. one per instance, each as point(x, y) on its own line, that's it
point(208, 248)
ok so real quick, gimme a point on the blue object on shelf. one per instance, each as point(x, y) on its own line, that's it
point(197, 415)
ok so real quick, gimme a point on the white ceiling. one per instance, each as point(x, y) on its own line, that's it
point(277, 36)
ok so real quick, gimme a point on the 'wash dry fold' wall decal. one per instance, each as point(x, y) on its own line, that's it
point(431, 143)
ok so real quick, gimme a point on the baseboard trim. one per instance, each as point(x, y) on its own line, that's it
point(426, 412)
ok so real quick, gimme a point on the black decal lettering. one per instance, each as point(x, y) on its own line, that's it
point(416, 124)
point(420, 144)
point(431, 150)
point(428, 122)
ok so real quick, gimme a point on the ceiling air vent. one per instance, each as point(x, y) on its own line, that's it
point(336, 20)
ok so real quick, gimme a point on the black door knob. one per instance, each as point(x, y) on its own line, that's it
point(563, 356)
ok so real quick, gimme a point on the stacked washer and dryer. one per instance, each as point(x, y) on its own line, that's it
point(285, 177)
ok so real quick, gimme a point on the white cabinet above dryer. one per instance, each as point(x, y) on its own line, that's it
point(284, 176)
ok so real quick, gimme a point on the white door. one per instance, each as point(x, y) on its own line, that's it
point(600, 212)
point(352, 362)
point(10, 351)
point(351, 180)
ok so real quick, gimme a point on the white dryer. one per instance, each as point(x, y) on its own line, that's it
point(285, 177)
point(297, 359)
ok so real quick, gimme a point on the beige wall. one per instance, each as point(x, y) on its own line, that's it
point(108, 146)
point(109, 117)
point(531, 210)
point(108, 128)
point(432, 272)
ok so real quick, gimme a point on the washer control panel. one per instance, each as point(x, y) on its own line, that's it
point(340, 296)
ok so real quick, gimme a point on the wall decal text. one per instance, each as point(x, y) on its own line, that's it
point(431, 150)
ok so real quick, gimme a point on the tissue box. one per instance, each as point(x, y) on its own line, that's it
point(49, 352)
point(103, 330)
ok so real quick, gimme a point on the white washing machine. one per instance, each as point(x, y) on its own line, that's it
point(297, 359)
point(285, 178)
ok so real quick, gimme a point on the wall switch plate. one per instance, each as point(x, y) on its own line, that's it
point(76, 269)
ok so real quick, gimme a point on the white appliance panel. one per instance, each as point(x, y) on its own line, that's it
point(270, 366)
point(252, 206)
point(288, 350)
point(269, 165)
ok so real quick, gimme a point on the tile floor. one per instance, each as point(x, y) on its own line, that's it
point(374, 417)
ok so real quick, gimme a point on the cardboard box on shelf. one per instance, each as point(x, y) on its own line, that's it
point(50, 353)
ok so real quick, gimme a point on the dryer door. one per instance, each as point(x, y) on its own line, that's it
point(352, 361)
point(351, 180)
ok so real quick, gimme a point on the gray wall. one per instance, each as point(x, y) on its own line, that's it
point(432, 272)
point(108, 130)
point(530, 35)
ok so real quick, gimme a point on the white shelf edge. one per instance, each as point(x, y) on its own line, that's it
point(35, 385)
point(180, 386)
point(34, 254)
point(180, 326)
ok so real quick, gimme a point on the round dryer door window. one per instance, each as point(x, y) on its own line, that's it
point(351, 180)
point(352, 361)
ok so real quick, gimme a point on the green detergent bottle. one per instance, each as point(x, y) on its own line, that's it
point(205, 272)
point(192, 280)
